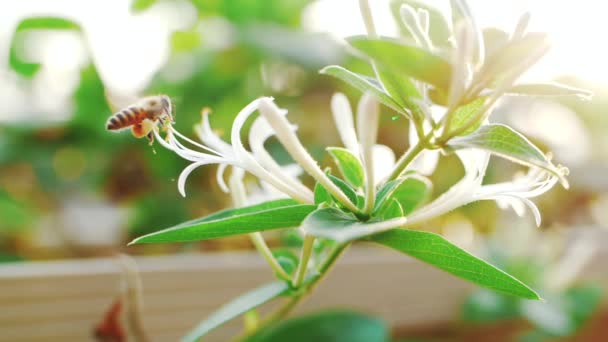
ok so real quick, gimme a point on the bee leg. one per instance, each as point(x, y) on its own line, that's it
point(150, 137)
point(143, 128)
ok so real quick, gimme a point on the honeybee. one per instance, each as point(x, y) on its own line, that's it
point(143, 116)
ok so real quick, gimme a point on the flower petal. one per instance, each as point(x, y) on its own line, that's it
point(343, 117)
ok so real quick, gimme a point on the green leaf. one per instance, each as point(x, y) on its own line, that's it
point(227, 213)
point(346, 189)
point(385, 192)
point(321, 195)
point(505, 142)
point(363, 83)
point(238, 222)
point(327, 326)
point(549, 90)
point(237, 307)
point(437, 251)
point(412, 192)
point(402, 90)
point(185, 41)
point(466, 112)
point(141, 5)
point(405, 59)
point(287, 259)
point(349, 165)
point(391, 210)
point(342, 227)
point(16, 62)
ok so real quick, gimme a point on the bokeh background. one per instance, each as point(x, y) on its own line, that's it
point(70, 189)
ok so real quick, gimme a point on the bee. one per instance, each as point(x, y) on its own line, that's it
point(143, 116)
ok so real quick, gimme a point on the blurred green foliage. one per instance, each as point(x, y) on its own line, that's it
point(561, 314)
point(80, 156)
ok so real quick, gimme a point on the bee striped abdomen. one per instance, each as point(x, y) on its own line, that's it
point(124, 118)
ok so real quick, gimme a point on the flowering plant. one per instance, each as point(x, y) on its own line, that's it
point(446, 81)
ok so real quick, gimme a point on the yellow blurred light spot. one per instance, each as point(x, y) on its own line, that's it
point(459, 231)
point(599, 210)
point(69, 163)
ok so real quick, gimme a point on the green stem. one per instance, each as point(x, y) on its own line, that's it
point(260, 245)
point(331, 259)
point(303, 265)
point(286, 308)
point(239, 199)
point(407, 158)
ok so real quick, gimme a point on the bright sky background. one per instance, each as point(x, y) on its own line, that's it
point(128, 49)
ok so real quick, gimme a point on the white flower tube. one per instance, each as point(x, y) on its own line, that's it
point(367, 130)
point(292, 144)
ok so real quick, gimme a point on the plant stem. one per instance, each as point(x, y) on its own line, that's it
point(333, 255)
point(407, 158)
point(260, 245)
point(286, 308)
point(303, 265)
point(239, 199)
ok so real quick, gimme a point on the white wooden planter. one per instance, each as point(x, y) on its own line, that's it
point(64, 300)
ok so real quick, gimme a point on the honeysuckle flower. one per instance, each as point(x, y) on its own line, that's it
point(515, 194)
point(214, 150)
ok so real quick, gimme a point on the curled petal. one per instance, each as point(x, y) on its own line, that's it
point(219, 176)
point(518, 205)
point(475, 163)
point(210, 138)
point(343, 117)
point(181, 181)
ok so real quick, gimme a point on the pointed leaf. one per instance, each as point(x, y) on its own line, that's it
point(334, 224)
point(403, 91)
point(385, 192)
point(549, 90)
point(321, 195)
point(285, 202)
point(236, 224)
point(505, 142)
point(405, 59)
point(464, 113)
point(346, 189)
point(437, 251)
point(349, 165)
point(390, 210)
point(363, 83)
point(412, 192)
point(237, 307)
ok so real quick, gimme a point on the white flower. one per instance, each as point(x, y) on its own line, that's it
point(515, 194)
point(214, 150)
